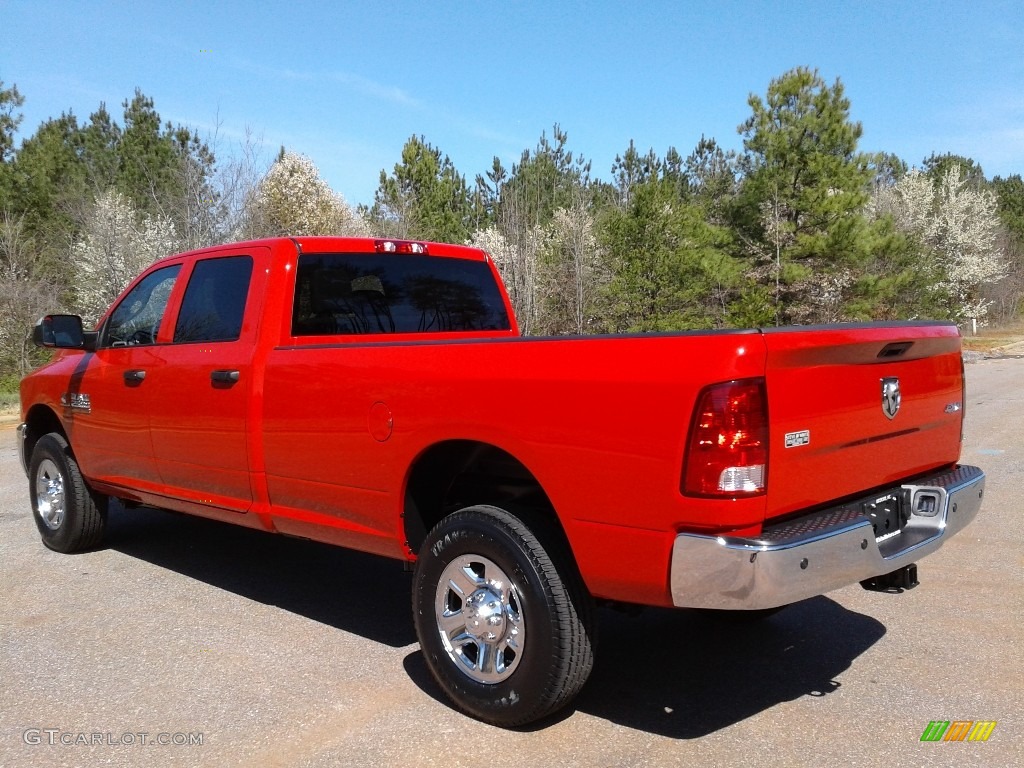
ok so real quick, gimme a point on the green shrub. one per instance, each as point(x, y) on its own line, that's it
point(9, 385)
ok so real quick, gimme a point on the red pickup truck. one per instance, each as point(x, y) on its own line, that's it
point(375, 394)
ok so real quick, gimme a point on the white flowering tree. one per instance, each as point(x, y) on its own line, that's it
point(958, 224)
point(516, 260)
point(553, 273)
point(499, 248)
point(292, 199)
point(572, 272)
point(115, 245)
point(26, 293)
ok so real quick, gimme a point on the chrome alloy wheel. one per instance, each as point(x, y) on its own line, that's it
point(480, 619)
point(50, 498)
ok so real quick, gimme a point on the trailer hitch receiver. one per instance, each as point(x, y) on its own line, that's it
point(898, 581)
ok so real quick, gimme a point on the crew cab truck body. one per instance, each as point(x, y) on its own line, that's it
point(376, 394)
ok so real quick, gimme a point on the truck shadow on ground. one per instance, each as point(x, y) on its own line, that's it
point(675, 673)
point(685, 675)
point(334, 586)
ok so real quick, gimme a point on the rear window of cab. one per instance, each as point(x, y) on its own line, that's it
point(366, 294)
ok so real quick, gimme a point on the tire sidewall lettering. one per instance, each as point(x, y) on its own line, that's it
point(501, 546)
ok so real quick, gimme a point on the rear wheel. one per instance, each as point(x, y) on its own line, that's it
point(507, 633)
point(69, 515)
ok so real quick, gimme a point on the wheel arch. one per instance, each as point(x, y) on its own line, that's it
point(454, 474)
point(41, 420)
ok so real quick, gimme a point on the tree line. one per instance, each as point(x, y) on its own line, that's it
point(799, 226)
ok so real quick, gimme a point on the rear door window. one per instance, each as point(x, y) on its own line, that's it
point(385, 294)
point(214, 303)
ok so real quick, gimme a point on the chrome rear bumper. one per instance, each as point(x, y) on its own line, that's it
point(825, 550)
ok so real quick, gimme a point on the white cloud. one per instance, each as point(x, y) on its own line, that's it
point(358, 83)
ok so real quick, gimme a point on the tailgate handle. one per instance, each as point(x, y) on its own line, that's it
point(224, 377)
point(895, 349)
point(134, 377)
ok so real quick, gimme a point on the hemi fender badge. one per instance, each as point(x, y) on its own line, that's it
point(76, 401)
point(796, 439)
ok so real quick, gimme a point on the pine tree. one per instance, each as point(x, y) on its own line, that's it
point(425, 197)
point(804, 190)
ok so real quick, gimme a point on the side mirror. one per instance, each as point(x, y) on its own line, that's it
point(61, 332)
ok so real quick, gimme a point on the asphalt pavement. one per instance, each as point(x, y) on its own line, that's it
point(185, 642)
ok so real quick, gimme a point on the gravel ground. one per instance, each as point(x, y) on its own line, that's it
point(278, 652)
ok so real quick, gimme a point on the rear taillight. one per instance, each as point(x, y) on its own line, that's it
point(727, 455)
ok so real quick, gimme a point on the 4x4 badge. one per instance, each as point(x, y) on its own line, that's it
point(891, 397)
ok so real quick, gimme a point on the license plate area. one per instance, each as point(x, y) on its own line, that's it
point(888, 515)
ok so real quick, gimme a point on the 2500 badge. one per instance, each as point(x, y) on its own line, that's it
point(796, 439)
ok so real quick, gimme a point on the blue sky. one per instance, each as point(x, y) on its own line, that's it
point(348, 83)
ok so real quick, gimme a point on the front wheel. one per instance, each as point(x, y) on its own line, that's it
point(506, 632)
point(69, 515)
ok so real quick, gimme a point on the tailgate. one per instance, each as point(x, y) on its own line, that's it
point(856, 408)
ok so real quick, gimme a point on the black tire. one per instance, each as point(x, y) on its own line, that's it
point(541, 649)
point(69, 515)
